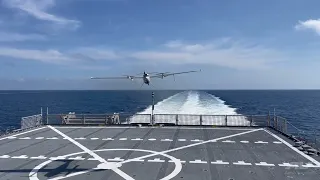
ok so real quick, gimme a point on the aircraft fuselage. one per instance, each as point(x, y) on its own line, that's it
point(146, 78)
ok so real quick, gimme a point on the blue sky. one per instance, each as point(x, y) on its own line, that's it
point(59, 44)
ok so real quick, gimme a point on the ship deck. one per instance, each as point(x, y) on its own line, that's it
point(153, 153)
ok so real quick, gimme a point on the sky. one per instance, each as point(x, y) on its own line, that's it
point(249, 44)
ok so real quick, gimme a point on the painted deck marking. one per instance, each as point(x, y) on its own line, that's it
point(39, 157)
point(166, 139)
point(52, 138)
point(178, 160)
point(20, 157)
point(25, 138)
point(310, 165)
point(123, 139)
point(288, 165)
point(156, 160)
point(108, 139)
point(137, 139)
point(77, 158)
point(152, 139)
point(293, 148)
point(94, 138)
point(93, 159)
point(219, 162)
point(40, 138)
point(116, 170)
point(181, 139)
point(196, 140)
point(277, 142)
point(10, 137)
point(57, 158)
point(261, 142)
point(117, 159)
point(191, 145)
point(210, 128)
point(244, 141)
point(198, 161)
point(80, 138)
point(264, 164)
point(14, 136)
point(4, 156)
point(242, 163)
point(228, 141)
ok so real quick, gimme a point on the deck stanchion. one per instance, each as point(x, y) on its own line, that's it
point(226, 120)
point(41, 121)
point(177, 120)
point(152, 116)
point(47, 115)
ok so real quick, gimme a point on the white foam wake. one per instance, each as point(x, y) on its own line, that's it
point(191, 102)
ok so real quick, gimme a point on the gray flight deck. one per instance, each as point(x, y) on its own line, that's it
point(153, 153)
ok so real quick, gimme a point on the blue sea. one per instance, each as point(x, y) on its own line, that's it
point(300, 107)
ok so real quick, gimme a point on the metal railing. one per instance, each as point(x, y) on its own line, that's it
point(277, 123)
point(172, 119)
point(282, 125)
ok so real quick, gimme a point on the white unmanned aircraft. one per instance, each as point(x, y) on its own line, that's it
point(146, 77)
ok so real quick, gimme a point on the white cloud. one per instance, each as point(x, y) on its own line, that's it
point(96, 53)
point(48, 56)
point(38, 9)
point(226, 53)
point(8, 37)
point(309, 24)
point(77, 57)
point(173, 44)
point(231, 54)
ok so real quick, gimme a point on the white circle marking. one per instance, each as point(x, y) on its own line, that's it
point(33, 175)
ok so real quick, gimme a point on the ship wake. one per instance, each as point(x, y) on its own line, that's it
point(191, 102)
point(187, 104)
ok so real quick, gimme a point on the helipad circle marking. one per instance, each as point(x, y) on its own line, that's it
point(33, 175)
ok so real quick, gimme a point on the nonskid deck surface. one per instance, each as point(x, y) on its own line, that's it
point(150, 153)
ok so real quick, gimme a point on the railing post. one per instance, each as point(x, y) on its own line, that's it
point(106, 120)
point(177, 121)
point(226, 120)
point(200, 120)
point(268, 119)
point(151, 119)
point(47, 115)
point(41, 117)
point(83, 119)
point(250, 120)
point(277, 128)
point(284, 128)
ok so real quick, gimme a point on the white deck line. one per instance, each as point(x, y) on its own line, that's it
point(134, 127)
point(191, 145)
point(96, 156)
point(14, 135)
point(293, 148)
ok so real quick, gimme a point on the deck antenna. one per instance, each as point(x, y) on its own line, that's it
point(152, 107)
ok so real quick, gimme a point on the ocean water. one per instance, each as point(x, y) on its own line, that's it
point(300, 107)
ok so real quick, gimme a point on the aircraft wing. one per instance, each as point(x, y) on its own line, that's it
point(161, 75)
point(119, 77)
